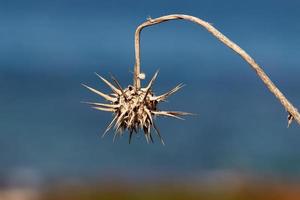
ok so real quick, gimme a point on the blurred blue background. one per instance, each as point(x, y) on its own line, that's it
point(48, 48)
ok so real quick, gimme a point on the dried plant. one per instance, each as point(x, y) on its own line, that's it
point(135, 107)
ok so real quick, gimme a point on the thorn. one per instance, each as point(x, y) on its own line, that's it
point(109, 126)
point(130, 135)
point(167, 113)
point(169, 93)
point(118, 85)
point(104, 109)
point(152, 80)
point(100, 104)
point(113, 88)
point(115, 136)
point(116, 82)
point(146, 136)
point(158, 133)
point(149, 115)
point(151, 139)
point(119, 120)
point(105, 96)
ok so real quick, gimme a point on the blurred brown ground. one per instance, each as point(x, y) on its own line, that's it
point(213, 187)
point(240, 191)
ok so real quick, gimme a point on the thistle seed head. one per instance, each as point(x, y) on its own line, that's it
point(134, 109)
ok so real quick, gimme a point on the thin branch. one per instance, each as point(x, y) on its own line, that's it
point(262, 75)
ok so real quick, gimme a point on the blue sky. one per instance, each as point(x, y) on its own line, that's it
point(47, 48)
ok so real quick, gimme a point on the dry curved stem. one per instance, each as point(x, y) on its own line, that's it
point(292, 111)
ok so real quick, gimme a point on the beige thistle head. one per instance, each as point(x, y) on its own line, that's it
point(134, 109)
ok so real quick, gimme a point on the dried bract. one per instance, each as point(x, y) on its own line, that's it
point(134, 109)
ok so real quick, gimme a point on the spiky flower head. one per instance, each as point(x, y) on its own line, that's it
point(134, 109)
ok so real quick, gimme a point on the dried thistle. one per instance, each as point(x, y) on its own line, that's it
point(134, 109)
